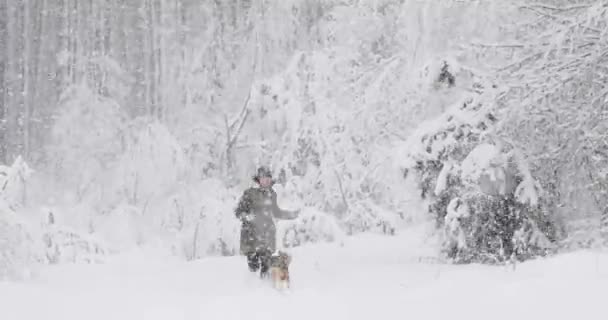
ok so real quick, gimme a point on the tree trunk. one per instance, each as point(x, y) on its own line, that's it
point(3, 63)
point(15, 78)
point(25, 93)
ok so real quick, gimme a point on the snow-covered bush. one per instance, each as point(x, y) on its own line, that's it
point(365, 215)
point(123, 228)
point(498, 228)
point(67, 235)
point(151, 166)
point(65, 245)
point(312, 226)
point(482, 195)
point(17, 246)
point(86, 139)
point(200, 220)
point(13, 185)
point(583, 233)
point(438, 145)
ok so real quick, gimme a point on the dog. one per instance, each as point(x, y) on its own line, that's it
point(279, 270)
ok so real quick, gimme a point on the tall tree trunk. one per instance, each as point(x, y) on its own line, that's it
point(158, 60)
point(136, 51)
point(26, 94)
point(3, 66)
point(150, 85)
point(74, 45)
point(15, 78)
point(41, 95)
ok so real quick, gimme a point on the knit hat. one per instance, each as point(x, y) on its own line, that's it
point(262, 172)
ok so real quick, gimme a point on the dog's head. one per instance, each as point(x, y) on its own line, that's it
point(281, 259)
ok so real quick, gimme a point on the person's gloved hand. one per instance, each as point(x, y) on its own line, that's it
point(295, 213)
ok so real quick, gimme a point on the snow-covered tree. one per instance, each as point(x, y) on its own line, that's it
point(479, 192)
point(153, 162)
point(554, 108)
point(87, 138)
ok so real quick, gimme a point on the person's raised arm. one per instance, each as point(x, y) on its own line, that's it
point(280, 213)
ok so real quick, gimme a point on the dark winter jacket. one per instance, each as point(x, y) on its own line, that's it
point(256, 209)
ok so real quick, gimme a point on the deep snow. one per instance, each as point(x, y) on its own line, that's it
point(365, 277)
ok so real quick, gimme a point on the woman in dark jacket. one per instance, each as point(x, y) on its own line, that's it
point(257, 210)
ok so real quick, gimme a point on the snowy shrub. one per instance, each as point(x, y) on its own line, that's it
point(13, 182)
point(311, 226)
point(365, 215)
point(66, 235)
point(17, 246)
point(123, 228)
point(583, 234)
point(496, 229)
point(439, 145)
point(204, 239)
point(214, 233)
point(483, 197)
point(87, 138)
point(201, 220)
point(65, 245)
point(152, 164)
point(504, 204)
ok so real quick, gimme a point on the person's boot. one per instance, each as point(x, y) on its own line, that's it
point(252, 262)
point(263, 272)
point(264, 263)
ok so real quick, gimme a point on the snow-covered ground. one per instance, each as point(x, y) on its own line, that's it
point(366, 277)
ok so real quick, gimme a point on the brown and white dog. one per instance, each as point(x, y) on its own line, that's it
point(279, 270)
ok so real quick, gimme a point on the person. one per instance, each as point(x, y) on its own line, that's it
point(257, 208)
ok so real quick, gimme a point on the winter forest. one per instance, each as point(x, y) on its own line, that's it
point(416, 134)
